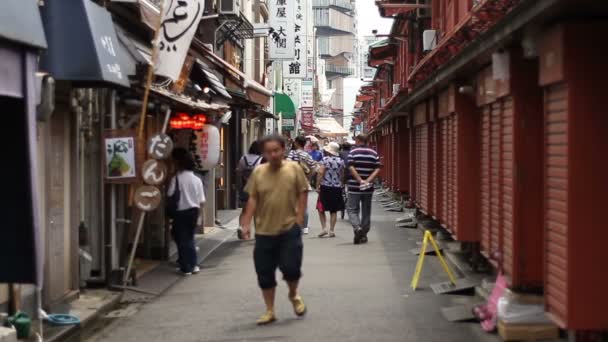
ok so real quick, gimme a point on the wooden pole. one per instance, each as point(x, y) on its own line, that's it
point(140, 225)
point(150, 75)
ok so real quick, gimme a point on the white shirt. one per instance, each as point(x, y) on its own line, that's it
point(192, 194)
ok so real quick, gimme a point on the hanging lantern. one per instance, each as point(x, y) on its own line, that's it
point(208, 146)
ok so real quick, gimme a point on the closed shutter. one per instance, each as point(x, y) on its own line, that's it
point(424, 184)
point(452, 130)
point(485, 180)
point(419, 165)
point(437, 169)
point(495, 138)
point(507, 184)
point(444, 170)
point(556, 200)
point(454, 180)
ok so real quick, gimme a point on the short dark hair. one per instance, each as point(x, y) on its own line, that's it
point(362, 138)
point(273, 138)
point(183, 159)
point(254, 148)
point(300, 140)
point(346, 146)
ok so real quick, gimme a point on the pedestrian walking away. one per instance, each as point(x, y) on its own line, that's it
point(306, 163)
point(247, 164)
point(346, 146)
point(364, 166)
point(329, 187)
point(278, 191)
point(188, 189)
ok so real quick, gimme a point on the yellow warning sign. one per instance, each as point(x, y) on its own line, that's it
point(428, 237)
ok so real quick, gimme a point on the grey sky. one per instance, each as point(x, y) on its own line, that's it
point(369, 19)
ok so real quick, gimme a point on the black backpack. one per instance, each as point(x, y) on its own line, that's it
point(173, 200)
point(248, 170)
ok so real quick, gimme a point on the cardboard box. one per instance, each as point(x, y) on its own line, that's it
point(527, 332)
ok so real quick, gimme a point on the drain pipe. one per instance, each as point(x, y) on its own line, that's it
point(113, 249)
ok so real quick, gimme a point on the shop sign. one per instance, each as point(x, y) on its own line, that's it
point(293, 89)
point(288, 123)
point(281, 33)
point(179, 23)
point(297, 68)
point(307, 119)
point(269, 126)
point(154, 172)
point(160, 146)
point(120, 157)
point(307, 97)
point(147, 197)
point(207, 144)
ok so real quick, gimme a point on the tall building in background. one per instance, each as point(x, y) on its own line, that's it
point(365, 71)
point(336, 31)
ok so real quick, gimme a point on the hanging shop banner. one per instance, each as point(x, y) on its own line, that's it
point(297, 67)
point(293, 89)
point(207, 144)
point(147, 197)
point(281, 33)
point(308, 120)
point(153, 172)
point(120, 158)
point(307, 97)
point(160, 146)
point(179, 22)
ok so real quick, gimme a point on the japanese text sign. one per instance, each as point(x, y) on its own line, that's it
point(297, 68)
point(281, 32)
point(179, 23)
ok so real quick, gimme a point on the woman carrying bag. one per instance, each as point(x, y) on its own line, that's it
point(185, 199)
point(329, 187)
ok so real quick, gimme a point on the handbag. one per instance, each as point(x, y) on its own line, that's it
point(173, 200)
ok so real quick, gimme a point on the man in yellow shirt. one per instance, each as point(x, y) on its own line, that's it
point(278, 191)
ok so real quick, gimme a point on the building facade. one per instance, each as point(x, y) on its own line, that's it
point(336, 33)
point(478, 111)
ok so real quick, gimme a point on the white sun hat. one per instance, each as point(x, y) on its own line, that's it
point(332, 148)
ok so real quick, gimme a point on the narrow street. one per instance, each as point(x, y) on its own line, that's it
point(354, 293)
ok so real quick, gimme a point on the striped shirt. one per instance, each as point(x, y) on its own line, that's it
point(365, 161)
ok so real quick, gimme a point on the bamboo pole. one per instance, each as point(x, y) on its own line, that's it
point(150, 75)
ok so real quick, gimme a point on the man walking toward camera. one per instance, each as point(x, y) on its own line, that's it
point(278, 191)
point(364, 166)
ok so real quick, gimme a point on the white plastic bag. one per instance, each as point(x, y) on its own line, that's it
point(510, 311)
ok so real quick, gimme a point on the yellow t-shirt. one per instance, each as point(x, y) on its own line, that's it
point(276, 193)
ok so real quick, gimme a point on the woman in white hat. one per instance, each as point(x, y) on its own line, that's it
point(329, 187)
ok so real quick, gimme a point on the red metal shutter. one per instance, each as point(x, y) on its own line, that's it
point(556, 200)
point(437, 165)
point(419, 165)
point(485, 180)
point(424, 182)
point(495, 202)
point(507, 185)
point(452, 148)
point(444, 170)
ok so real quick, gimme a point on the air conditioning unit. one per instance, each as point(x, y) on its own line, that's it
point(396, 87)
point(230, 7)
point(429, 40)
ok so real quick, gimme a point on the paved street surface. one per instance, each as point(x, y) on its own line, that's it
point(353, 293)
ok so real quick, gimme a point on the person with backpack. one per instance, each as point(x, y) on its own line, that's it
point(247, 163)
point(185, 197)
point(309, 166)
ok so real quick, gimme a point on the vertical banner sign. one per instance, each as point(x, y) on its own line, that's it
point(293, 89)
point(179, 22)
point(297, 68)
point(308, 120)
point(281, 32)
point(307, 100)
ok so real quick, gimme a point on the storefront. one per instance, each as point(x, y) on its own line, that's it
point(21, 39)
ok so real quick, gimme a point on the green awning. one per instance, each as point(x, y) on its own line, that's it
point(284, 105)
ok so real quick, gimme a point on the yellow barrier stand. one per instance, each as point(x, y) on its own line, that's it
point(429, 237)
